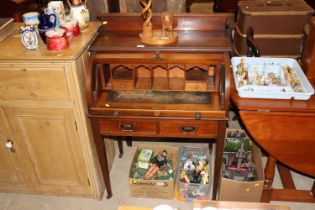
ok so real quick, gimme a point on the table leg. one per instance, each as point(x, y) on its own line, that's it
point(269, 176)
point(101, 152)
point(129, 141)
point(218, 159)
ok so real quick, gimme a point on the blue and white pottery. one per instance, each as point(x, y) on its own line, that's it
point(45, 25)
point(28, 37)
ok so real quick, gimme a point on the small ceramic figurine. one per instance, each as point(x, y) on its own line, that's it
point(28, 37)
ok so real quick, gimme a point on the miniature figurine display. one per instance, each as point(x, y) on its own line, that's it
point(292, 78)
point(267, 74)
point(152, 165)
point(194, 173)
point(237, 157)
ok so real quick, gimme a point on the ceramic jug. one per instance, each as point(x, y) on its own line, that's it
point(45, 24)
point(79, 11)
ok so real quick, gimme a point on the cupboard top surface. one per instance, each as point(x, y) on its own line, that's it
point(13, 49)
point(196, 33)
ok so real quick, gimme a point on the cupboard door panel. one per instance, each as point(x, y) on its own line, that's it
point(53, 146)
point(11, 177)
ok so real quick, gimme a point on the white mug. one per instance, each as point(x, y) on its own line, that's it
point(58, 7)
point(31, 18)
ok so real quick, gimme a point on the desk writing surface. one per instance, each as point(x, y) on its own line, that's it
point(283, 128)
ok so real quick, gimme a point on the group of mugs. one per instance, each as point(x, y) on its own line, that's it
point(53, 26)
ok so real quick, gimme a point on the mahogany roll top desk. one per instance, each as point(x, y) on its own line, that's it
point(178, 90)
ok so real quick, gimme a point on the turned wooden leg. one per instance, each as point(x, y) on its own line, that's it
point(269, 176)
point(129, 141)
point(101, 152)
point(218, 159)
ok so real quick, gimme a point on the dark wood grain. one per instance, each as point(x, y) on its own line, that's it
point(286, 177)
point(308, 58)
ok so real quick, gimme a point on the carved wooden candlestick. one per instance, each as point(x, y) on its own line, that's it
point(156, 37)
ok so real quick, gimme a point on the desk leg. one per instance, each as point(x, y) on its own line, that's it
point(269, 176)
point(218, 159)
point(120, 145)
point(313, 190)
point(129, 141)
point(101, 152)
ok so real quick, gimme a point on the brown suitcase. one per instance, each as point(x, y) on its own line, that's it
point(277, 25)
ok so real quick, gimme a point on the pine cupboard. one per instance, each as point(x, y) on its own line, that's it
point(45, 137)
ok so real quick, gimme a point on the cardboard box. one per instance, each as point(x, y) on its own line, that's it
point(250, 191)
point(200, 205)
point(162, 189)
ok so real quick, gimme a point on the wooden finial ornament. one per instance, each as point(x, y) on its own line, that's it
point(156, 37)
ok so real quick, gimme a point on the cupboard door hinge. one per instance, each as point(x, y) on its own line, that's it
point(88, 181)
point(75, 124)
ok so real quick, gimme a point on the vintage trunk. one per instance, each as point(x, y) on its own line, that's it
point(277, 25)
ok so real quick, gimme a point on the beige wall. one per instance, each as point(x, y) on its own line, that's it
point(96, 7)
point(176, 6)
point(101, 6)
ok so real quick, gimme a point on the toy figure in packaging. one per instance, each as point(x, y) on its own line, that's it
point(161, 159)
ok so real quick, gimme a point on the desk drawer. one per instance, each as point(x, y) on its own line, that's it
point(33, 82)
point(190, 128)
point(127, 127)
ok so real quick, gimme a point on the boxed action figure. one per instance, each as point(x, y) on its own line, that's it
point(158, 179)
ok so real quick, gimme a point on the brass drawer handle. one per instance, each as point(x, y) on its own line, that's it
point(188, 129)
point(127, 127)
